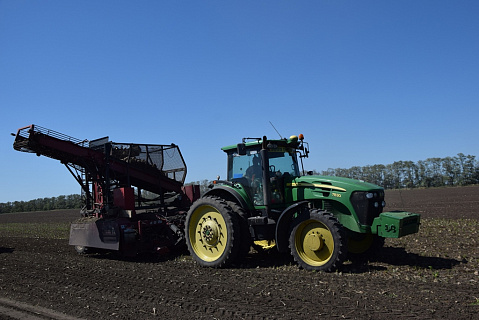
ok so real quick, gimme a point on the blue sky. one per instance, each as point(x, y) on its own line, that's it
point(366, 82)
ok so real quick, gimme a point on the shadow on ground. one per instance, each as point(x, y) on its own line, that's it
point(6, 250)
point(399, 257)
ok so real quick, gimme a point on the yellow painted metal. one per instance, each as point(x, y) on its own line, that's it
point(314, 242)
point(315, 185)
point(208, 233)
point(265, 244)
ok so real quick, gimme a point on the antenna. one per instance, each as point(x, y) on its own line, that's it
point(276, 130)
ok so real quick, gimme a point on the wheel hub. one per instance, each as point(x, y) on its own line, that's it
point(314, 241)
point(209, 232)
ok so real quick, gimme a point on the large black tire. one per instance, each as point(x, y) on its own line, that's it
point(318, 242)
point(212, 232)
point(246, 241)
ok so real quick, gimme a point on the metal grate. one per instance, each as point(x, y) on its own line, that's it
point(166, 158)
point(25, 134)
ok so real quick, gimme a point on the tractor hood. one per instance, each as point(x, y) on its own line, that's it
point(334, 184)
point(354, 203)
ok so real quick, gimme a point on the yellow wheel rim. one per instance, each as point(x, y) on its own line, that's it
point(208, 233)
point(314, 242)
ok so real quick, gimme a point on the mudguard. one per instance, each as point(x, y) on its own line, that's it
point(218, 190)
point(284, 224)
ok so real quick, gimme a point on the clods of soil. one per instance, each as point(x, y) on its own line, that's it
point(430, 275)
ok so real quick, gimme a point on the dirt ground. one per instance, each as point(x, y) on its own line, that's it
point(430, 275)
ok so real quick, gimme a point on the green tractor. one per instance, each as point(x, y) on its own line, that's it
point(266, 202)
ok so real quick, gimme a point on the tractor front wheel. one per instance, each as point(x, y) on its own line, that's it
point(318, 241)
point(212, 232)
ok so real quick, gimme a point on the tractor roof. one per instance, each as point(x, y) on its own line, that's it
point(253, 143)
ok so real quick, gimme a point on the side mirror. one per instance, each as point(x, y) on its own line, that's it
point(241, 148)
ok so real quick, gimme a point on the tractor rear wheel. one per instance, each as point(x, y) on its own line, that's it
point(246, 241)
point(212, 232)
point(318, 241)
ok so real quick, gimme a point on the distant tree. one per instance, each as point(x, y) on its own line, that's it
point(5, 207)
point(17, 206)
point(451, 170)
point(73, 201)
point(60, 202)
point(409, 174)
point(470, 170)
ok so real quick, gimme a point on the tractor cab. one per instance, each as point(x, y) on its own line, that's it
point(263, 166)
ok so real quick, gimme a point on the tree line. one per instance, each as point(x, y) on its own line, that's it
point(72, 201)
point(460, 170)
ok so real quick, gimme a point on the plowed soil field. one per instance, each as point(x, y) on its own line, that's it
point(430, 275)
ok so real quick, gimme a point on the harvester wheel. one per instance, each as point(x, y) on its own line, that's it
point(212, 232)
point(318, 241)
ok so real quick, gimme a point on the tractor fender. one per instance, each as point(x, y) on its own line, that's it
point(227, 193)
point(284, 224)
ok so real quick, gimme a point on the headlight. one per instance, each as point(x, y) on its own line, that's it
point(383, 204)
point(369, 195)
